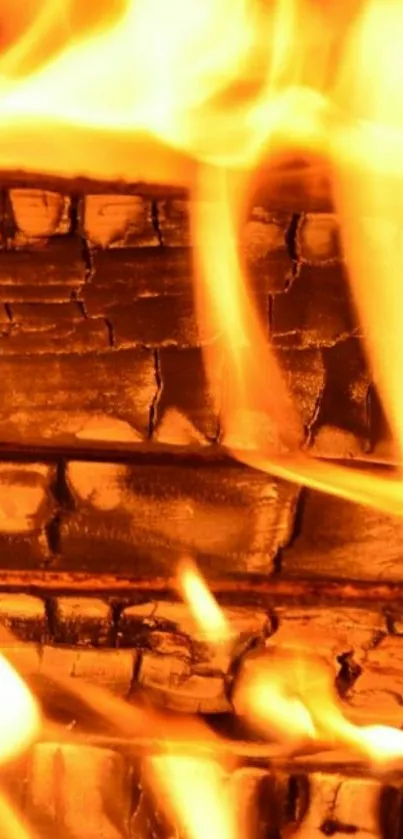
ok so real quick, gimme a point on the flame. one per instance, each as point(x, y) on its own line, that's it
point(369, 204)
point(204, 608)
point(193, 793)
point(291, 698)
point(201, 94)
point(12, 826)
point(19, 717)
point(212, 90)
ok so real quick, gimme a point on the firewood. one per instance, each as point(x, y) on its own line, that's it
point(163, 656)
point(75, 393)
point(292, 184)
point(112, 300)
point(55, 666)
point(178, 668)
point(317, 240)
point(316, 311)
point(53, 329)
point(82, 622)
point(26, 510)
point(239, 589)
point(25, 617)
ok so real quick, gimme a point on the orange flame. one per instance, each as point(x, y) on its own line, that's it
point(292, 699)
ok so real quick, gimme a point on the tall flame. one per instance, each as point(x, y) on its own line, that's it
point(19, 715)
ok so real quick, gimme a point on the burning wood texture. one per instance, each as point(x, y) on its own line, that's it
point(201, 420)
point(113, 468)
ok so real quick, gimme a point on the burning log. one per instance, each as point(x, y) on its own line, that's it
point(121, 795)
point(123, 311)
point(154, 648)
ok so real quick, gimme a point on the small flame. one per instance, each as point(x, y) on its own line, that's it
point(203, 606)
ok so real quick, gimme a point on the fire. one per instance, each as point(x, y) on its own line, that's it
point(193, 790)
point(291, 698)
point(19, 727)
point(19, 717)
point(201, 93)
point(204, 607)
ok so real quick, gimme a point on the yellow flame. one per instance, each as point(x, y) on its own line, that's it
point(19, 714)
point(225, 83)
point(292, 698)
point(369, 203)
point(193, 791)
point(12, 825)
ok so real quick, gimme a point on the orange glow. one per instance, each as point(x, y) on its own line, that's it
point(292, 699)
point(369, 203)
point(19, 717)
point(12, 826)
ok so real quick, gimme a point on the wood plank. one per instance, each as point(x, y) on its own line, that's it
point(37, 214)
point(118, 221)
point(342, 806)
point(230, 519)
point(316, 311)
